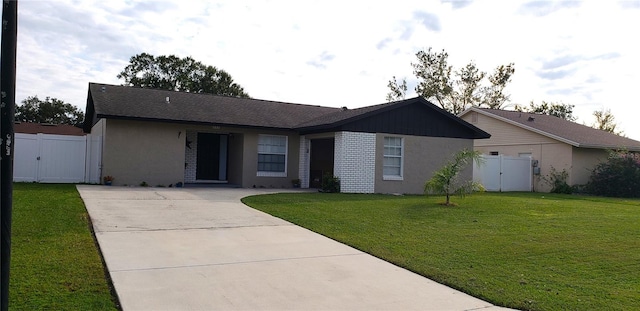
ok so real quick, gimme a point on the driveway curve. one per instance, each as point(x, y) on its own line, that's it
point(202, 249)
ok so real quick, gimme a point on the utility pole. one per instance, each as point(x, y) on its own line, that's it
point(7, 110)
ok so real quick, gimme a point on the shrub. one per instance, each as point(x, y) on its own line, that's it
point(330, 183)
point(579, 189)
point(619, 176)
point(558, 181)
point(296, 183)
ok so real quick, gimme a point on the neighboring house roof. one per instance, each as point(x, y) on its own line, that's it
point(46, 128)
point(134, 103)
point(572, 133)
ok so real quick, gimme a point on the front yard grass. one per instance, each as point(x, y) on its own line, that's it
point(55, 264)
point(528, 251)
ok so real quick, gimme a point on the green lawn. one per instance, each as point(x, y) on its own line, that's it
point(527, 251)
point(55, 264)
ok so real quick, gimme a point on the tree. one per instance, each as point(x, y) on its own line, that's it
point(434, 75)
point(494, 95)
point(456, 90)
point(446, 180)
point(49, 110)
point(179, 74)
point(397, 90)
point(560, 110)
point(466, 91)
point(605, 121)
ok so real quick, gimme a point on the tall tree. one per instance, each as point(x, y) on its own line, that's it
point(434, 77)
point(560, 110)
point(468, 92)
point(179, 74)
point(494, 95)
point(397, 90)
point(50, 110)
point(605, 121)
point(456, 90)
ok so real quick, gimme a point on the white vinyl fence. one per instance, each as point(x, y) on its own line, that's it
point(502, 173)
point(57, 158)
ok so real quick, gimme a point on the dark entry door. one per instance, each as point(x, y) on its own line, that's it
point(321, 160)
point(208, 157)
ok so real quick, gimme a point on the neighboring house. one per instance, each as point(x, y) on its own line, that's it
point(551, 141)
point(165, 137)
point(46, 128)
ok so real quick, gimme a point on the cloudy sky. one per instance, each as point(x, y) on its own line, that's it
point(342, 53)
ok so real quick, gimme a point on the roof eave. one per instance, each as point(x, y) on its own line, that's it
point(117, 117)
point(610, 147)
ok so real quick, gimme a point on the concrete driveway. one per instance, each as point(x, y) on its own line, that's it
point(202, 249)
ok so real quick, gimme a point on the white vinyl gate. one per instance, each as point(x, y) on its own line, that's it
point(50, 158)
point(502, 173)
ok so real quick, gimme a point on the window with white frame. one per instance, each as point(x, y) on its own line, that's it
point(392, 166)
point(272, 155)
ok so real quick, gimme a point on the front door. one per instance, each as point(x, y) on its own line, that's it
point(321, 160)
point(211, 161)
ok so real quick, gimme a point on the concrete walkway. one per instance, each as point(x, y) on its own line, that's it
point(202, 249)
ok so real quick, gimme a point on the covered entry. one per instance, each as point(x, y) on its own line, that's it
point(206, 157)
point(321, 161)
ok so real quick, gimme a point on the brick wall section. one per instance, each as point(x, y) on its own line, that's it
point(303, 171)
point(190, 157)
point(355, 161)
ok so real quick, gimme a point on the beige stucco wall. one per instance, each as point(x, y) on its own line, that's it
point(236, 156)
point(250, 160)
point(503, 133)
point(98, 128)
point(511, 140)
point(422, 156)
point(136, 151)
point(584, 160)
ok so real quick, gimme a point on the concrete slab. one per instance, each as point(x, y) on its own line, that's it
point(116, 215)
point(351, 282)
point(202, 249)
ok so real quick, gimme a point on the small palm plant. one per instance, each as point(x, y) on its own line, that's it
point(446, 180)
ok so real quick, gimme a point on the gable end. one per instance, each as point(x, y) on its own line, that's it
point(417, 119)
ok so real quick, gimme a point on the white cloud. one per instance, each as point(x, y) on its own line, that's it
point(340, 53)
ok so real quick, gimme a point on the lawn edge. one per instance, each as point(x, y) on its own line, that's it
point(112, 289)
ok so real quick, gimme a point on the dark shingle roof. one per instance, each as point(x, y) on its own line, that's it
point(343, 114)
point(125, 102)
point(111, 101)
point(57, 129)
point(575, 134)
